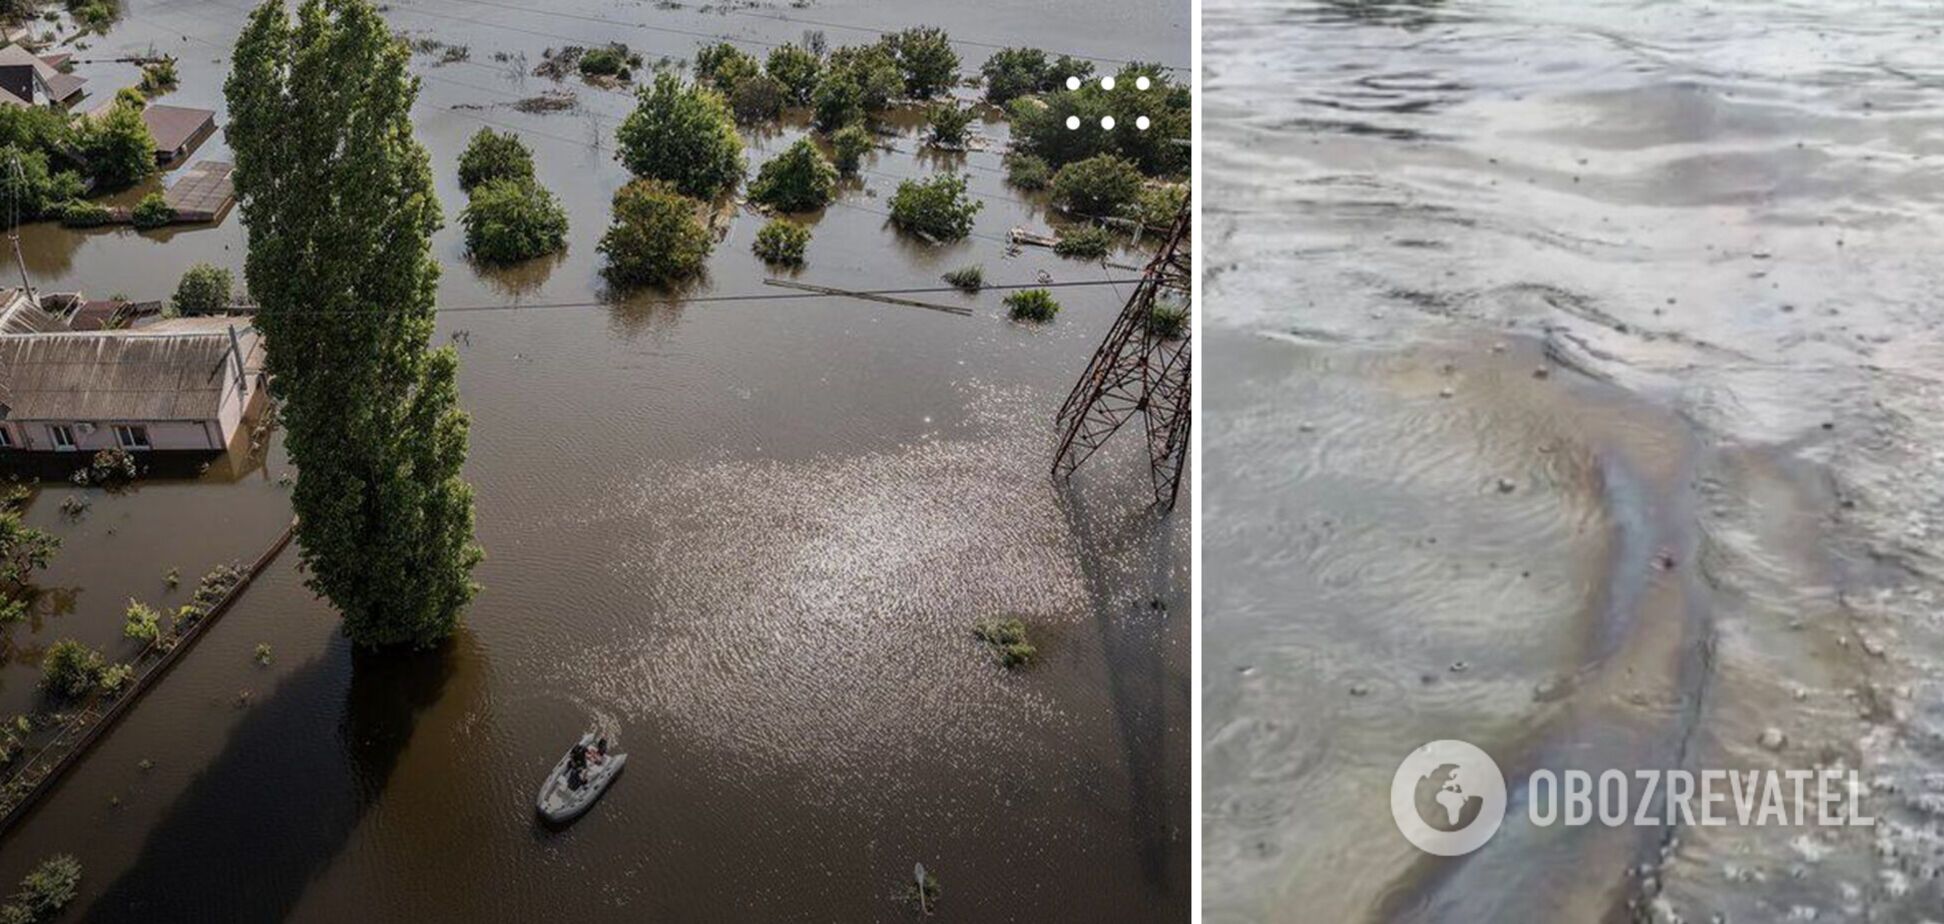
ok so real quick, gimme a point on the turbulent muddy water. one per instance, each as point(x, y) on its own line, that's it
point(1574, 390)
point(749, 536)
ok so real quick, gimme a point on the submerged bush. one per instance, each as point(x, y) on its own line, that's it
point(1032, 305)
point(1028, 172)
point(937, 208)
point(683, 135)
point(38, 190)
point(492, 155)
point(1101, 185)
point(723, 65)
point(925, 59)
point(782, 241)
point(1084, 243)
point(872, 70)
point(1007, 640)
point(114, 677)
point(70, 669)
point(797, 180)
point(142, 622)
point(44, 891)
point(509, 220)
point(757, 98)
point(118, 146)
point(203, 289)
point(656, 237)
point(969, 278)
point(838, 102)
point(610, 60)
point(851, 143)
point(1039, 123)
point(158, 76)
point(1168, 322)
point(948, 124)
point(1157, 206)
point(797, 70)
point(80, 213)
point(153, 212)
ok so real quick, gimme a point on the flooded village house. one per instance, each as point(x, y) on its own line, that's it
point(173, 385)
point(28, 79)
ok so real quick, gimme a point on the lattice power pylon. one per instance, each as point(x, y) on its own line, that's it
point(1141, 369)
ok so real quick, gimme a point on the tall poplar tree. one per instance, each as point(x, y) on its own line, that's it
point(337, 199)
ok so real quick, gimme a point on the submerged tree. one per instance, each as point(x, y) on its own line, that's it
point(338, 204)
point(684, 136)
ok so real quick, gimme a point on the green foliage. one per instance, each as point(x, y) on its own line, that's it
point(39, 128)
point(757, 98)
point(94, 15)
point(118, 147)
point(656, 238)
point(70, 669)
point(1039, 124)
point(873, 69)
point(723, 65)
point(1100, 185)
point(1014, 72)
point(263, 653)
point(610, 60)
point(797, 69)
point(78, 213)
point(683, 135)
point(339, 217)
point(968, 278)
point(1006, 638)
point(39, 191)
point(115, 677)
point(203, 289)
point(838, 103)
point(491, 155)
point(851, 143)
point(47, 889)
point(1168, 322)
point(159, 77)
point(1032, 305)
point(1156, 206)
point(937, 208)
point(152, 212)
point(948, 124)
point(926, 61)
point(1027, 171)
point(1084, 243)
point(509, 220)
point(142, 622)
point(23, 549)
point(782, 241)
point(797, 180)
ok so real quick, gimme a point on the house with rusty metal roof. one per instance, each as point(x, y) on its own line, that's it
point(181, 385)
point(28, 79)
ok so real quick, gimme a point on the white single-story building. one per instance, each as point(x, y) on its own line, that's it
point(181, 384)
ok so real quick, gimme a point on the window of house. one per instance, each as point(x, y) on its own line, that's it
point(130, 437)
point(62, 435)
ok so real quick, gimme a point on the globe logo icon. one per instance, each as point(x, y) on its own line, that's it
point(1448, 798)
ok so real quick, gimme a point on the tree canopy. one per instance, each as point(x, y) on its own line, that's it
point(338, 206)
point(937, 208)
point(203, 289)
point(509, 220)
point(492, 156)
point(657, 237)
point(118, 146)
point(797, 180)
point(683, 135)
point(797, 69)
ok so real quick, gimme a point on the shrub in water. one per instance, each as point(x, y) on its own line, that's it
point(757, 98)
point(80, 213)
point(612, 60)
point(872, 69)
point(491, 156)
point(797, 70)
point(851, 143)
point(142, 622)
point(115, 677)
point(838, 102)
point(1028, 172)
point(1084, 243)
point(1007, 640)
point(203, 289)
point(782, 241)
point(926, 61)
point(683, 135)
point(948, 124)
point(1168, 322)
point(70, 669)
point(1156, 206)
point(512, 220)
point(159, 76)
point(656, 237)
point(723, 65)
point(969, 278)
point(153, 212)
point(937, 208)
point(44, 891)
point(797, 180)
point(118, 146)
point(1015, 72)
point(1102, 185)
point(1032, 305)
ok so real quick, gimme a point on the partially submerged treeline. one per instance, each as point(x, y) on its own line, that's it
point(63, 158)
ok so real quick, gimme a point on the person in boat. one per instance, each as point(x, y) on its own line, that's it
point(576, 766)
point(598, 754)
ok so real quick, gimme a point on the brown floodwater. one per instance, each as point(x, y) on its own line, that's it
point(748, 537)
point(1715, 515)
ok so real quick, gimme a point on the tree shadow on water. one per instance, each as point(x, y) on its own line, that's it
point(283, 797)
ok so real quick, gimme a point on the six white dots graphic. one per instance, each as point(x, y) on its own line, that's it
point(1107, 122)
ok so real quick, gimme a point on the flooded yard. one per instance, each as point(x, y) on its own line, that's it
point(749, 535)
point(1582, 366)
